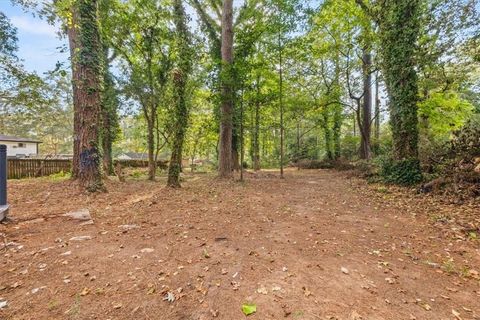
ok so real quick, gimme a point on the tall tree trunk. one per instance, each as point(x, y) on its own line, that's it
point(180, 78)
point(297, 146)
point(152, 165)
point(399, 30)
point(235, 146)
point(336, 130)
point(109, 120)
point(226, 110)
point(242, 147)
point(87, 79)
point(377, 113)
point(280, 89)
point(107, 144)
point(73, 41)
point(328, 136)
point(256, 130)
point(366, 127)
point(337, 111)
point(354, 124)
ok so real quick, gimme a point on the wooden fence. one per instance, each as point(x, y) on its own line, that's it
point(29, 168)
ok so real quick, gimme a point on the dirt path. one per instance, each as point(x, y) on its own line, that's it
point(312, 246)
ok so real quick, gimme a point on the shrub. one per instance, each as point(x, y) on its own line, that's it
point(338, 164)
point(466, 142)
point(366, 168)
point(402, 172)
point(350, 145)
point(315, 164)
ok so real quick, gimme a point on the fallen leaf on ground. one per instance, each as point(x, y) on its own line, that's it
point(249, 308)
point(306, 292)
point(170, 297)
point(426, 306)
point(456, 314)
point(214, 313)
point(85, 291)
point(262, 290)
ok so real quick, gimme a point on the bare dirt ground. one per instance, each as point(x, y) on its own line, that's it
point(316, 245)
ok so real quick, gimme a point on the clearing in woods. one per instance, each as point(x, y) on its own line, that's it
point(317, 245)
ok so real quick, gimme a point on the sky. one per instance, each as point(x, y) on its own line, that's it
point(39, 45)
point(38, 42)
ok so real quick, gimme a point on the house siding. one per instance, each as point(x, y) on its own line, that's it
point(30, 148)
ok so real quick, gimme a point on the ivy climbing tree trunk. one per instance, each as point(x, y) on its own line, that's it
point(399, 30)
point(180, 79)
point(327, 134)
point(226, 109)
point(87, 86)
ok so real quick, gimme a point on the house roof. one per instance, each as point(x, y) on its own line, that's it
point(136, 155)
point(17, 139)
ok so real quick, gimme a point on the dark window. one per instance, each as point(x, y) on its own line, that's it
point(21, 145)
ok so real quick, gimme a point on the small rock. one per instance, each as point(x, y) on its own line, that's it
point(128, 226)
point(147, 250)
point(16, 285)
point(355, 316)
point(82, 215)
point(344, 270)
point(390, 280)
point(67, 253)
point(3, 303)
point(35, 290)
point(81, 238)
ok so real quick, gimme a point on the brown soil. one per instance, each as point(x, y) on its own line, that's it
point(316, 245)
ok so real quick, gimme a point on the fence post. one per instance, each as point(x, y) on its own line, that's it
point(3, 182)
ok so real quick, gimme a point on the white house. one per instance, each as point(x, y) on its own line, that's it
point(20, 147)
point(133, 156)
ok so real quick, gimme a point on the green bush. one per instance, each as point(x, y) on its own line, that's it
point(403, 172)
point(60, 176)
point(466, 142)
point(315, 164)
point(350, 145)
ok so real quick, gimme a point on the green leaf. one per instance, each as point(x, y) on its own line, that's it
point(249, 308)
